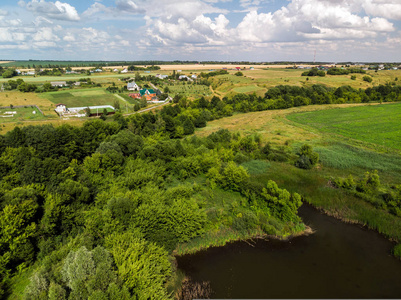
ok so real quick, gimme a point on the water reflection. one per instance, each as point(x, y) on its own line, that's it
point(338, 261)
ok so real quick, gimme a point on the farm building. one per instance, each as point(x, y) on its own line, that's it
point(132, 86)
point(124, 71)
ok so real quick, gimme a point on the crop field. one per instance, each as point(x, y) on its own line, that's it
point(376, 124)
point(27, 113)
point(85, 97)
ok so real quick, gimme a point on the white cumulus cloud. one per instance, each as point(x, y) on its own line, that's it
point(53, 10)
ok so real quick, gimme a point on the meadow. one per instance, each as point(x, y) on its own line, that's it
point(375, 124)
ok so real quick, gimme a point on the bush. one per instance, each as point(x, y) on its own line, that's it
point(367, 79)
point(397, 251)
point(307, 158)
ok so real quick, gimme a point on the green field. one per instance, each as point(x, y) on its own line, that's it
point(22, 114)
point(247, 89)
point(189, 90)
point(376, 124)
point(85, 97)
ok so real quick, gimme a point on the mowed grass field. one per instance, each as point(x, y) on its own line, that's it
point(84, 97)
point(376, 124)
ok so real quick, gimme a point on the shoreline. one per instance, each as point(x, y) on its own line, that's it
point(225, 240)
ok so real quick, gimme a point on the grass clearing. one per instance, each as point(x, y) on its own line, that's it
point(256, 167)
point(343, 156)
point(376, 124)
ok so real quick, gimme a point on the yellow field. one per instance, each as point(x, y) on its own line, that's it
point(5, 61)
point(272, 125)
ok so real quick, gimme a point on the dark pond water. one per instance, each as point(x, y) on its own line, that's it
point(338, 261)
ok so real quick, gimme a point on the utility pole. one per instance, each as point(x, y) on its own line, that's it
point(314, 58)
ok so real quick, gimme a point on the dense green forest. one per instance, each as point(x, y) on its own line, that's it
point(96, 212)
point(99, 211)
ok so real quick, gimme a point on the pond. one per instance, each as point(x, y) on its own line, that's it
point(338, 261)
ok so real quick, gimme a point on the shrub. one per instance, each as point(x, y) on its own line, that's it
point(307, 158)
point(397, 251)
point(367, 79)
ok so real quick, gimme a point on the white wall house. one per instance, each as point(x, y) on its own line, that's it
point(132, 86)
point(61, 109)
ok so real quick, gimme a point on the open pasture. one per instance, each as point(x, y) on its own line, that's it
point(375, 124)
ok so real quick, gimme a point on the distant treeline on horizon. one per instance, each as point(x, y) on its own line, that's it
point(96, 64)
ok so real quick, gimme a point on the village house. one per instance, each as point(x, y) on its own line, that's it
point(61, 109)
point(124, 71)
point(132, 86)
point(148, 94)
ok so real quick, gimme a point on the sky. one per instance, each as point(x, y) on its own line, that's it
point(201, 30)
